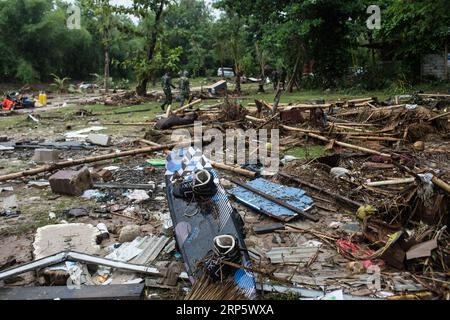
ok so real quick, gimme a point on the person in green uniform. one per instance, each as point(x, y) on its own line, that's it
point(167, 86)
point(184, 88)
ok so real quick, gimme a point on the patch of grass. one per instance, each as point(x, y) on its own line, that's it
point(307, 152)
point(11, 121)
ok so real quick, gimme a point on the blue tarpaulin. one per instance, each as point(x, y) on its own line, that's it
point(296, 197)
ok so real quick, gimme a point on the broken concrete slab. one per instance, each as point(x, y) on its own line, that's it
point(99, 139)
point(46, 155)
point(78, 237)
point(8, 202)
point(70, 182)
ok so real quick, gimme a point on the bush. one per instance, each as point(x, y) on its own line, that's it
point(25, 72)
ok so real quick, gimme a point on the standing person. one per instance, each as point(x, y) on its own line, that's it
point(283, 75)
point(275, 79)
point(167, 85)
point(185, 90)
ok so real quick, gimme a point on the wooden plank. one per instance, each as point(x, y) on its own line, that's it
point(421, 250)
point(110, 292)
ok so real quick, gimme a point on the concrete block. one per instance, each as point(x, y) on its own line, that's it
point(53, 239)
point(46, 155)
point(70, 182)
point(99, 139)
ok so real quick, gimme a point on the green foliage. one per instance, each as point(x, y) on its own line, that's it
point(250, 36)
point(25, 72)
point(59, 83)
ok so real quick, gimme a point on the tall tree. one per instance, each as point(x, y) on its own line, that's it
point(146, 11)
point(103, 11)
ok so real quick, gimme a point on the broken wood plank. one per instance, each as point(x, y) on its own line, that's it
point(439, 116)
point(193, 103)
point(421, 250)
point(110, 292)
point(268, 228)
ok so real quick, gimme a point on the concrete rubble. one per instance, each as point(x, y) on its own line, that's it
point(70, 182)
point(46, 155)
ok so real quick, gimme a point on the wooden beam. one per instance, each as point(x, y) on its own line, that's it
point(72, 163)
point(193, 103)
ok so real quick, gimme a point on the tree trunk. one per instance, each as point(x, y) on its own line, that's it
point(238, 82)
point(141, 88)
point(294, 74)
point(106, 70)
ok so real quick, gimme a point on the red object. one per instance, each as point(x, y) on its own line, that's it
point(7, 104)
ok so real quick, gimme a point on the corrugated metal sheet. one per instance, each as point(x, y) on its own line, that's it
point(296, 197)
point(291, 254)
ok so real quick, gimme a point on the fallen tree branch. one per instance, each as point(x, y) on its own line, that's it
point(331, 194)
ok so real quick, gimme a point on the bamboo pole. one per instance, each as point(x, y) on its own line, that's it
point(331, 194)
point(368, 138)
point(390, 182)
point(441, 184)
point(348, 145)
point(129, 124)
point(187, 106)
point(72, 163)
point(439, 116)
point(307, 106)
point(246, 173)
point(243, 172)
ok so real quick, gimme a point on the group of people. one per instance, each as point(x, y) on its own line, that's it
point(183, 86)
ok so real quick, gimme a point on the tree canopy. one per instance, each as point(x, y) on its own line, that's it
point(144, 40)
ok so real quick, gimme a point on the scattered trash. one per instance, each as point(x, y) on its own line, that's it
point(138, 196)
